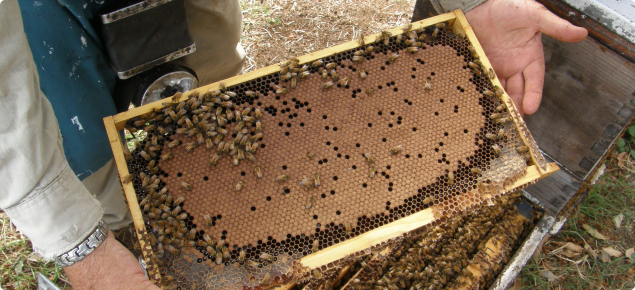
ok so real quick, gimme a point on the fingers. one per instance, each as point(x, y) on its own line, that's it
point(515, 89)
point(534, 77)
point(556, 27)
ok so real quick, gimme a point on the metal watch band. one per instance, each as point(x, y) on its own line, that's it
point(85, 247)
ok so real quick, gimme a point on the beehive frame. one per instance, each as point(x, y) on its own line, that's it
point(358, 244)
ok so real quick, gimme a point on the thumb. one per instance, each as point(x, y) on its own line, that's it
point(556, 27)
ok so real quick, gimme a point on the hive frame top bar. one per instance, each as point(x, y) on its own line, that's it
point(459, 25)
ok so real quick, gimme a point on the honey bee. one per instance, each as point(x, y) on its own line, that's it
point(181, 130)
point(522, 149)
point(500, 108)
point(358, 53)
point(310, 155)
point(497, 149)
point(304, 74)
point(331, 65)
point(492, 75)
point(241, 256)
point(253, 264)
point(317, 274)
point(239, 186)
point(258, 171)
point(325, 74)
point(192, 132)
point(254, 147)
point(317, 63)
point(412, 49)
point(370, 91)
point(190, 146)
point(428, 200)
point(316, 180)
point(370, 49)
point(226, 104)
point(248, 119)
point(428, 85)
point(209, 144)
point(235, 161)
point(249, 156)
point(182, 216)
point(285, 77)
point(476, 170)
point(179, 200)
point(501, 133)
point(397, 149)
point(503, 120)
point(372, 172)
point(250, 94)
point(208, 220)
point(280, 91)
point(309, 203)
point(498, 92)
point(174, 144)
point(222, 131)
point(126, 179)
point(494, 116)
point(369, 158)
point(172, 250)
point(219, 258)
point(282, 178)
point(348, 228)
point(357, 58)
point(257, 137)
point(393, 57)
point(473, 65)
point(344, 81)
point(488, 93)
point(306, 183)
point(327, 85)
point(334, 75)
point(491, 136)
point(167, 156)
point(362, 73)
point(385, 36)
point(186, 186)
point(450, 178)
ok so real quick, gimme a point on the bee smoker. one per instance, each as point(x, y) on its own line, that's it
point(143, 40)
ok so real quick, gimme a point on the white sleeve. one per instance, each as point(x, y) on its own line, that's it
point(39, 191)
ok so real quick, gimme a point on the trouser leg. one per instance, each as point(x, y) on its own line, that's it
point(216, 27)
point(104, 185)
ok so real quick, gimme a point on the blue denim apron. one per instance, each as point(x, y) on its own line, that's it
point(74, 76)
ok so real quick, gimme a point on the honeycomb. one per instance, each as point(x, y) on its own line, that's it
point(465, 252)
point(415, 132)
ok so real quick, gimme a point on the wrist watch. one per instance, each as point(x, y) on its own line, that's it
point(85, 247)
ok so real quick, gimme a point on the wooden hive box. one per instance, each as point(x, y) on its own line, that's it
point(410, 144)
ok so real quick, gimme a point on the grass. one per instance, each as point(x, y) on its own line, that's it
point(19, 265)
point(612, 195)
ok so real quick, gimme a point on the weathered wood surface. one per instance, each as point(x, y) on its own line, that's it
point(588, 97)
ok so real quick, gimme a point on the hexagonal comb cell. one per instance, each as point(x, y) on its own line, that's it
point(238, 183)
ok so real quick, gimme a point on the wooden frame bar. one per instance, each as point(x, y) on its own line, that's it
point(458, 24)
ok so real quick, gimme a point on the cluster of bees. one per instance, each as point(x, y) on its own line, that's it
point(205, 118)
point(456, 255)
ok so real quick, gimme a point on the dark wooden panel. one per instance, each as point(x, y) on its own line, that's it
point(555, 190)
point(588, 97)
point(423, 9)
point(596, 29)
